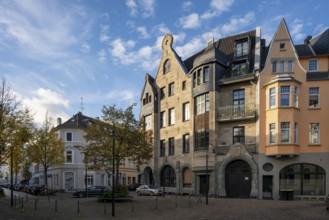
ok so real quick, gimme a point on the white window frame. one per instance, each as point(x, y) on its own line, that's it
point(284, 94)
point(272, 98)
point(186, 111)
point(148, 122)
point(311, 93)
point(171, 116)
point(66, 154)
point(314, 129)
point(163, 119)
point(296, 133)
point(290, 66)
point(281, 66)
point(272, 133)
point(284, 127)
point(71, 136)
point(313, 65)
point(274, 66)
point(296, 97)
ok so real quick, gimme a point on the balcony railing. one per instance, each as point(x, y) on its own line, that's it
point(236, 112)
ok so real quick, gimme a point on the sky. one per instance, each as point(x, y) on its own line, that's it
point(65, 56)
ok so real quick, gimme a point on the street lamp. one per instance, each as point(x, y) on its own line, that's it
point(11, 177)
point(207, 177)
point(113, 169)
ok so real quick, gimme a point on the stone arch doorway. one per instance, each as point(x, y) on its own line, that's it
point(148, 176)
point(238, 179)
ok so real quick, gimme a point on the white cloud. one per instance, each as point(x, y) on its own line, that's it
point(296, 30)
point(132, 5)
point(191, 47)
point(145, 7)
point(101, 55)
point(190, 21)
point(143, 32)
point(162, 29)
point(85, 48)
point(104, 35)
point(217, 8)
point(46, 100)
point(237, 23)
point(187, 5)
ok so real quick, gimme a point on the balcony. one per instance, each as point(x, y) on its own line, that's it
point(282, 150)
point(236, 112)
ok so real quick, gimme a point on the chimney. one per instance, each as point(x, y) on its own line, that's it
point(307, 39)
point(59, 121)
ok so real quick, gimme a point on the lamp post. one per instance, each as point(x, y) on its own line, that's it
point(113, 169)
point(86, 174)
point(11, 177)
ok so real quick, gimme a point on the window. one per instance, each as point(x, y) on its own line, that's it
point(314, 97)
point(201, 139)
point(198, 79)
point(296, 133)
point(184, 85)
point(272, 98)
point(303, 179)
point(69, 136)
point(171, 146)
point(282, 46)
point(69, 156)
point(171, 89)
point(313, 65)
point(168, 176)
point(314, 133)
point(186, 111)
point(162, 119)
point(272, 133)
point(148, 122)
point(296, 97)
point(240, 69)
point(205, 74)
point(284, 96)
point(147, 99)
point(238, 102)
point(241, 48)
point(202, 103)
point(285, 132)
point(194, 79)
point(238, 135)
point(171, 116)
point(163, 92)
point(166, 66)
point(290, 66)
point(274, 66)
point(162, 148)
point(186, 143)
point(90, 179)
point(281, 66)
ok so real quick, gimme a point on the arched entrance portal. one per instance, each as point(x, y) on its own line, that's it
point(238, 179)
point(148, 176)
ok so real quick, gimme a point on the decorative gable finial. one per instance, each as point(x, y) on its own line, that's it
point(167, 41)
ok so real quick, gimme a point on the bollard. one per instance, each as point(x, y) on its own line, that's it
point(19, 199)
point(156, 203)
point(55, 206)
point(35, 205)
point(48, 198)
point(27, 197)
point(78, 207)
point(132, 206)
point(15, 201)
point(189, 203)
point(22, 204)
point(104, 207)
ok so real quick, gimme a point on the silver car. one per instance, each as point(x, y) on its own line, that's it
point(148, 190)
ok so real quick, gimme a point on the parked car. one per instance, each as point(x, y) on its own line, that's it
point(134, 186)
point(92, 191)
point(148, 190)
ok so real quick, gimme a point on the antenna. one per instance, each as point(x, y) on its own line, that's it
point(81, 104)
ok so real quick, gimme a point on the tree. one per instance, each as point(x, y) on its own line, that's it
point(46, 149)
point(131, 140)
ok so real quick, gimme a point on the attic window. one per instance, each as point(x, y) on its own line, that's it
point(166, 67)
point(147, 99)
point(282, 46)
point(241, 48)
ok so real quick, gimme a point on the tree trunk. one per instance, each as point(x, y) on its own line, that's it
point(45, 174)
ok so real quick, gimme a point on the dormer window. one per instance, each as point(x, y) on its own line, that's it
point(241, 48)
point(166, 67)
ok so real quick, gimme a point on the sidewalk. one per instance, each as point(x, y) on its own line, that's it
point(168, 208)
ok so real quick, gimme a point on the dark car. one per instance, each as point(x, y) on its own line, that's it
point(92, 191)
point(134, 186)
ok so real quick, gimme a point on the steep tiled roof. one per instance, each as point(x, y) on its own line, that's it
point(77, 121)
point(320, 44)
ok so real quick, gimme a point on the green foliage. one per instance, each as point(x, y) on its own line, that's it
point(120, 195)
point(130, 141)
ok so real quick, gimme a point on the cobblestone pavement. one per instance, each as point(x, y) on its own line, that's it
point(168, 208)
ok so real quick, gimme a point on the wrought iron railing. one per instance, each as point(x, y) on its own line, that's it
point(236, 112)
